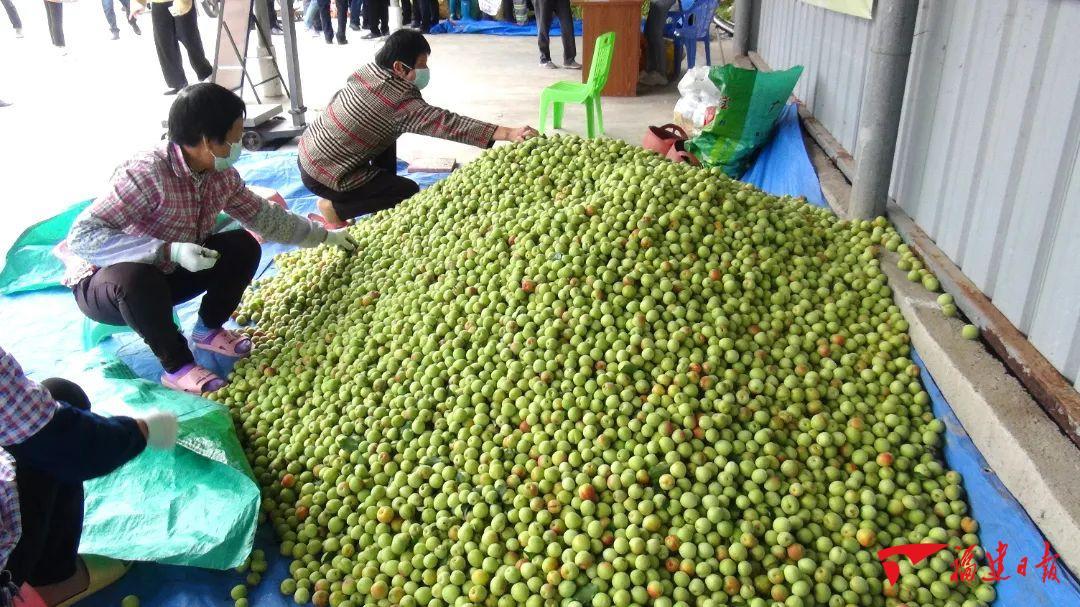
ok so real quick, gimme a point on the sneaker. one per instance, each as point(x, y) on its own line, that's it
point(170, 92)
point(134, 26)
point(370, 36)
point(354, 27)
point(277, 31)
point(572, 65)
point(114, 35)
point(18, 33)
point(548, 64)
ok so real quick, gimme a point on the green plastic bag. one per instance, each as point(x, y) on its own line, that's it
point(750, 104)
point(31, 265)
point(197, 505)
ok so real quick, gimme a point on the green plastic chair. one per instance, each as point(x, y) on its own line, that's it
point(93, 332)
point(588, 94)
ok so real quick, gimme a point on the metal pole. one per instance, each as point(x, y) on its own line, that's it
point(743, 11)
point(264, 51)
point(883, 97)
point(292, 66)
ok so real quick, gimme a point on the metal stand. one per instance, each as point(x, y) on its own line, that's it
point(263, 124)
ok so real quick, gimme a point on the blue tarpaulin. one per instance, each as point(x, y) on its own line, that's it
point(496, 28)
point(42, 330)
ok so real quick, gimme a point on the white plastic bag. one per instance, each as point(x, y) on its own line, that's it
point(698, 98)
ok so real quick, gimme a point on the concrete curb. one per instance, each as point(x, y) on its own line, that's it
point(1025, 448)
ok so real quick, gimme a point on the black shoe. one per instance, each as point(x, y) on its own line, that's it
point(354, 27)
point(134, 26)
point(174, 91)
point(370, 36)
point(329, 40)
point(342, 40)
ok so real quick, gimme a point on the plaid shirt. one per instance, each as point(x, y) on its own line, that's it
point(366, 117)
point(25, 407)
point(155, 199)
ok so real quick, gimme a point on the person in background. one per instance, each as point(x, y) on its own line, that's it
point(327, 21)
point(110, 17)
point(356, 11)
point(147, 244)
point(426, 15)
point(13, 17)
point(655, 55)
point(312, 18)
point(377, 14)
point(348, 156)
point(175, 23)
point(50, 443)
point(275, 24)
point(54, 12)
point(545, 9)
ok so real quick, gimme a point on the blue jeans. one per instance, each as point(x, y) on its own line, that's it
point(110, 13)
point(311, 13)
point(356, 9)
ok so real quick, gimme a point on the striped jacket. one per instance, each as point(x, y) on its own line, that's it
point(366, 117)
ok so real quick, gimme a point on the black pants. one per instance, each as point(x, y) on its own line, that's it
point(407, 13)
point(326, 19)
point(385, 191)
point(142, 297)
point(13, 15)
point(428, 14)
point(169, 33)
point(54, 11)
point(561, 9)
point(377, 14)
point(50, 467)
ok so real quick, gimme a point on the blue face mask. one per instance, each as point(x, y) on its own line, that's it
point(423, 76)
point(224, 164)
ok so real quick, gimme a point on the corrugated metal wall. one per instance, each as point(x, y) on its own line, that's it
point(988, 157)
point(831, 47)
point(987, 160)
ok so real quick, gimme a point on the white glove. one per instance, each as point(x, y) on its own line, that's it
point(161, 429)
point(341, 238)
point(193, 257)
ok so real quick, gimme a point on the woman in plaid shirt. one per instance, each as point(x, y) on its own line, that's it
point(147, 244)
point(348, 156)
point(50, 437)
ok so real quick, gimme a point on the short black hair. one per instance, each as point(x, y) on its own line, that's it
point(204, 110)
point(405, 46)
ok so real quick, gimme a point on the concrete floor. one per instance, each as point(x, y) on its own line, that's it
point(77, 116)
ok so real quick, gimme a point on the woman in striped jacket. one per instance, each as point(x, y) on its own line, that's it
point(348, 156)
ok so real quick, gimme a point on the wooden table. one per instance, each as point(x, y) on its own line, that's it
point(624, 18)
